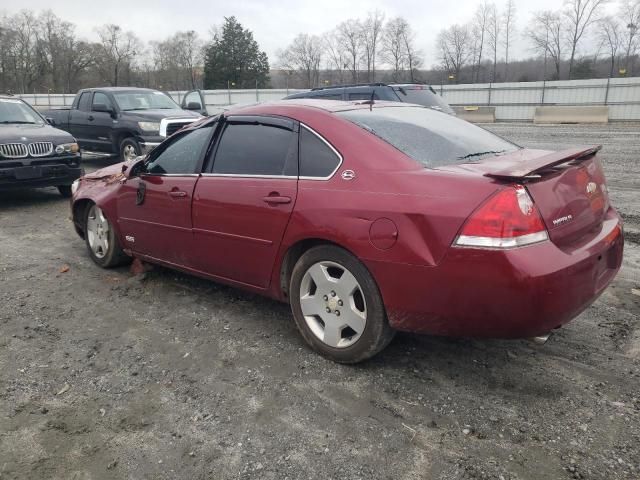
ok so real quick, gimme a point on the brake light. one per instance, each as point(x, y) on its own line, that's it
point(508, 219)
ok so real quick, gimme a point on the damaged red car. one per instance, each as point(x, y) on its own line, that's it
point(368, 218)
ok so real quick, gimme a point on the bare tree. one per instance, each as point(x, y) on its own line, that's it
point(545, 33)
point(454, 45)
point(371, 32)
point(393, 47)
point(508, 25)
point(610, 36)
point(579, 15)
point(337, 59)
point(24, 50)
point(303, 56)
point(493, 37)
point(119, 50)
point(629, 14)
point(414, 56)
point(479, 29)
point(350, 38)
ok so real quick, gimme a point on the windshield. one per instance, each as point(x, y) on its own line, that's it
point(16, 111)
point(144, 100)
point(429, 137)
point(423, 95)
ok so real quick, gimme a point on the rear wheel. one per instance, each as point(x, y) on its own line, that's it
point(101, 240)
point(65, 190)
point(129, 149)
point(337, 306)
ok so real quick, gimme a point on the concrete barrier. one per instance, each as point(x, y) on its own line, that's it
point(571, 114)
point(476, 114)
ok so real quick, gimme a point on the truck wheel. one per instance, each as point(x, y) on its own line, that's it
point(129, 149)
point(65, 190)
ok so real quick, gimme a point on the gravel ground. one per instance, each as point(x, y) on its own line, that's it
point(165, 376)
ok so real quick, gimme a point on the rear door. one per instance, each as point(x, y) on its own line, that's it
point(154, 209)
point(243, 203)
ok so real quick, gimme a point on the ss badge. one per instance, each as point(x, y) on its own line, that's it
point(142, 188)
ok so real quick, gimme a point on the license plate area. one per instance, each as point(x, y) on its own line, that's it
point(27, 173)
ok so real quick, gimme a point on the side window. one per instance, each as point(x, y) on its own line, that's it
point(181, 156)
point(330, 96)
point(100, 98)
point(317, 159)
point(250, 149)
point(363, 96)
point(83, 102)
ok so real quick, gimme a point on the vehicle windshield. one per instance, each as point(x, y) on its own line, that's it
point(433, 139)
point(144, 100)
point(423, 95)
point(14, 111)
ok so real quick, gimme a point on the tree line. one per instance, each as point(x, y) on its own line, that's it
point(40, 52)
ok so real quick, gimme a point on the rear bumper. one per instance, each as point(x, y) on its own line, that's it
point(43, 173)
point(523, 292)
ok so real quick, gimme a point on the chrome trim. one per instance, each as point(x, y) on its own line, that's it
point(331, 147)
point(40, 149)
point(13, 150)
point(146, 174)
point(168, 121)
point(237, 175)
point(148, 146)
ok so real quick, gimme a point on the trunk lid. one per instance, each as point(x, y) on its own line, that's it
point(568, 187)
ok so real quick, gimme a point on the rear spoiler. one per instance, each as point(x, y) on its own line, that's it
point(530, 167)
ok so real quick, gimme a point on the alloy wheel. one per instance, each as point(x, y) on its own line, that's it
point(98, 232)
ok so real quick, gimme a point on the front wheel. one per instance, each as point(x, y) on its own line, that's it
point(101, 240)
point(337, 305)
point(129, 149)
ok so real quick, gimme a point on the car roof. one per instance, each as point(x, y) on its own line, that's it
point(372, 84)
point(118, 89)
point(330, 106)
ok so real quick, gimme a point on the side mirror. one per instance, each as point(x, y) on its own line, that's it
point(50, 121)
point(134, 168)
point(194, 106)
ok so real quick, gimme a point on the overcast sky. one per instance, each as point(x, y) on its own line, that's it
point(274, 23)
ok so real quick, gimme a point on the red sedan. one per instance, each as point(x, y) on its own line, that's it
point(366, 218)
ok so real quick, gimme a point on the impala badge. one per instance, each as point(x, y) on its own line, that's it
point(561, 220)
point(348, 175)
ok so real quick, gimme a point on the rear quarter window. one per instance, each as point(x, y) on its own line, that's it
point(317, 158)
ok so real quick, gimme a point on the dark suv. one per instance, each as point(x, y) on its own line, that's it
point(32, 152)
point(394, 92)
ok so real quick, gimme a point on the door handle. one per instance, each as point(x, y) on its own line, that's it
point(276, 199)
point(90, 117)
point(177, 194)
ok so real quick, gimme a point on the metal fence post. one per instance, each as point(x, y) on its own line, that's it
point(544, 84)
point(606, 93)
point(489, 98)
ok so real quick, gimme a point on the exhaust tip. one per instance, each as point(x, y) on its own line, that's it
point(540, 339)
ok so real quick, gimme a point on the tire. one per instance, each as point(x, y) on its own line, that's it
point(65, 191)
point(129, 149)
point(344, 317)
point(100, 238)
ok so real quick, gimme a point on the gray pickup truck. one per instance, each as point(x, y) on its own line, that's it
point(121, 120)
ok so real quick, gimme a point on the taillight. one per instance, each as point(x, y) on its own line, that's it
point(508, 219)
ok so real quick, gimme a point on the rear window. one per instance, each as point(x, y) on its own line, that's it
point(433, 139)
point(423, 96)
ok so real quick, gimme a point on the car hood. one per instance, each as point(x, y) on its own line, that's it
point(27, 133)
point(143, 115)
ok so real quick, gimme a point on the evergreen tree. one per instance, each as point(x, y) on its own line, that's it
point(233, 58)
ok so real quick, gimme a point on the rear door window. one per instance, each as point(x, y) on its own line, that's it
point(317, 158)
point(256, 150)
point(83, 102)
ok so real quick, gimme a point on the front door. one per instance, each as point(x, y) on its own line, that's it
point(154, 209)
point(100, 123)
point(243, 202)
